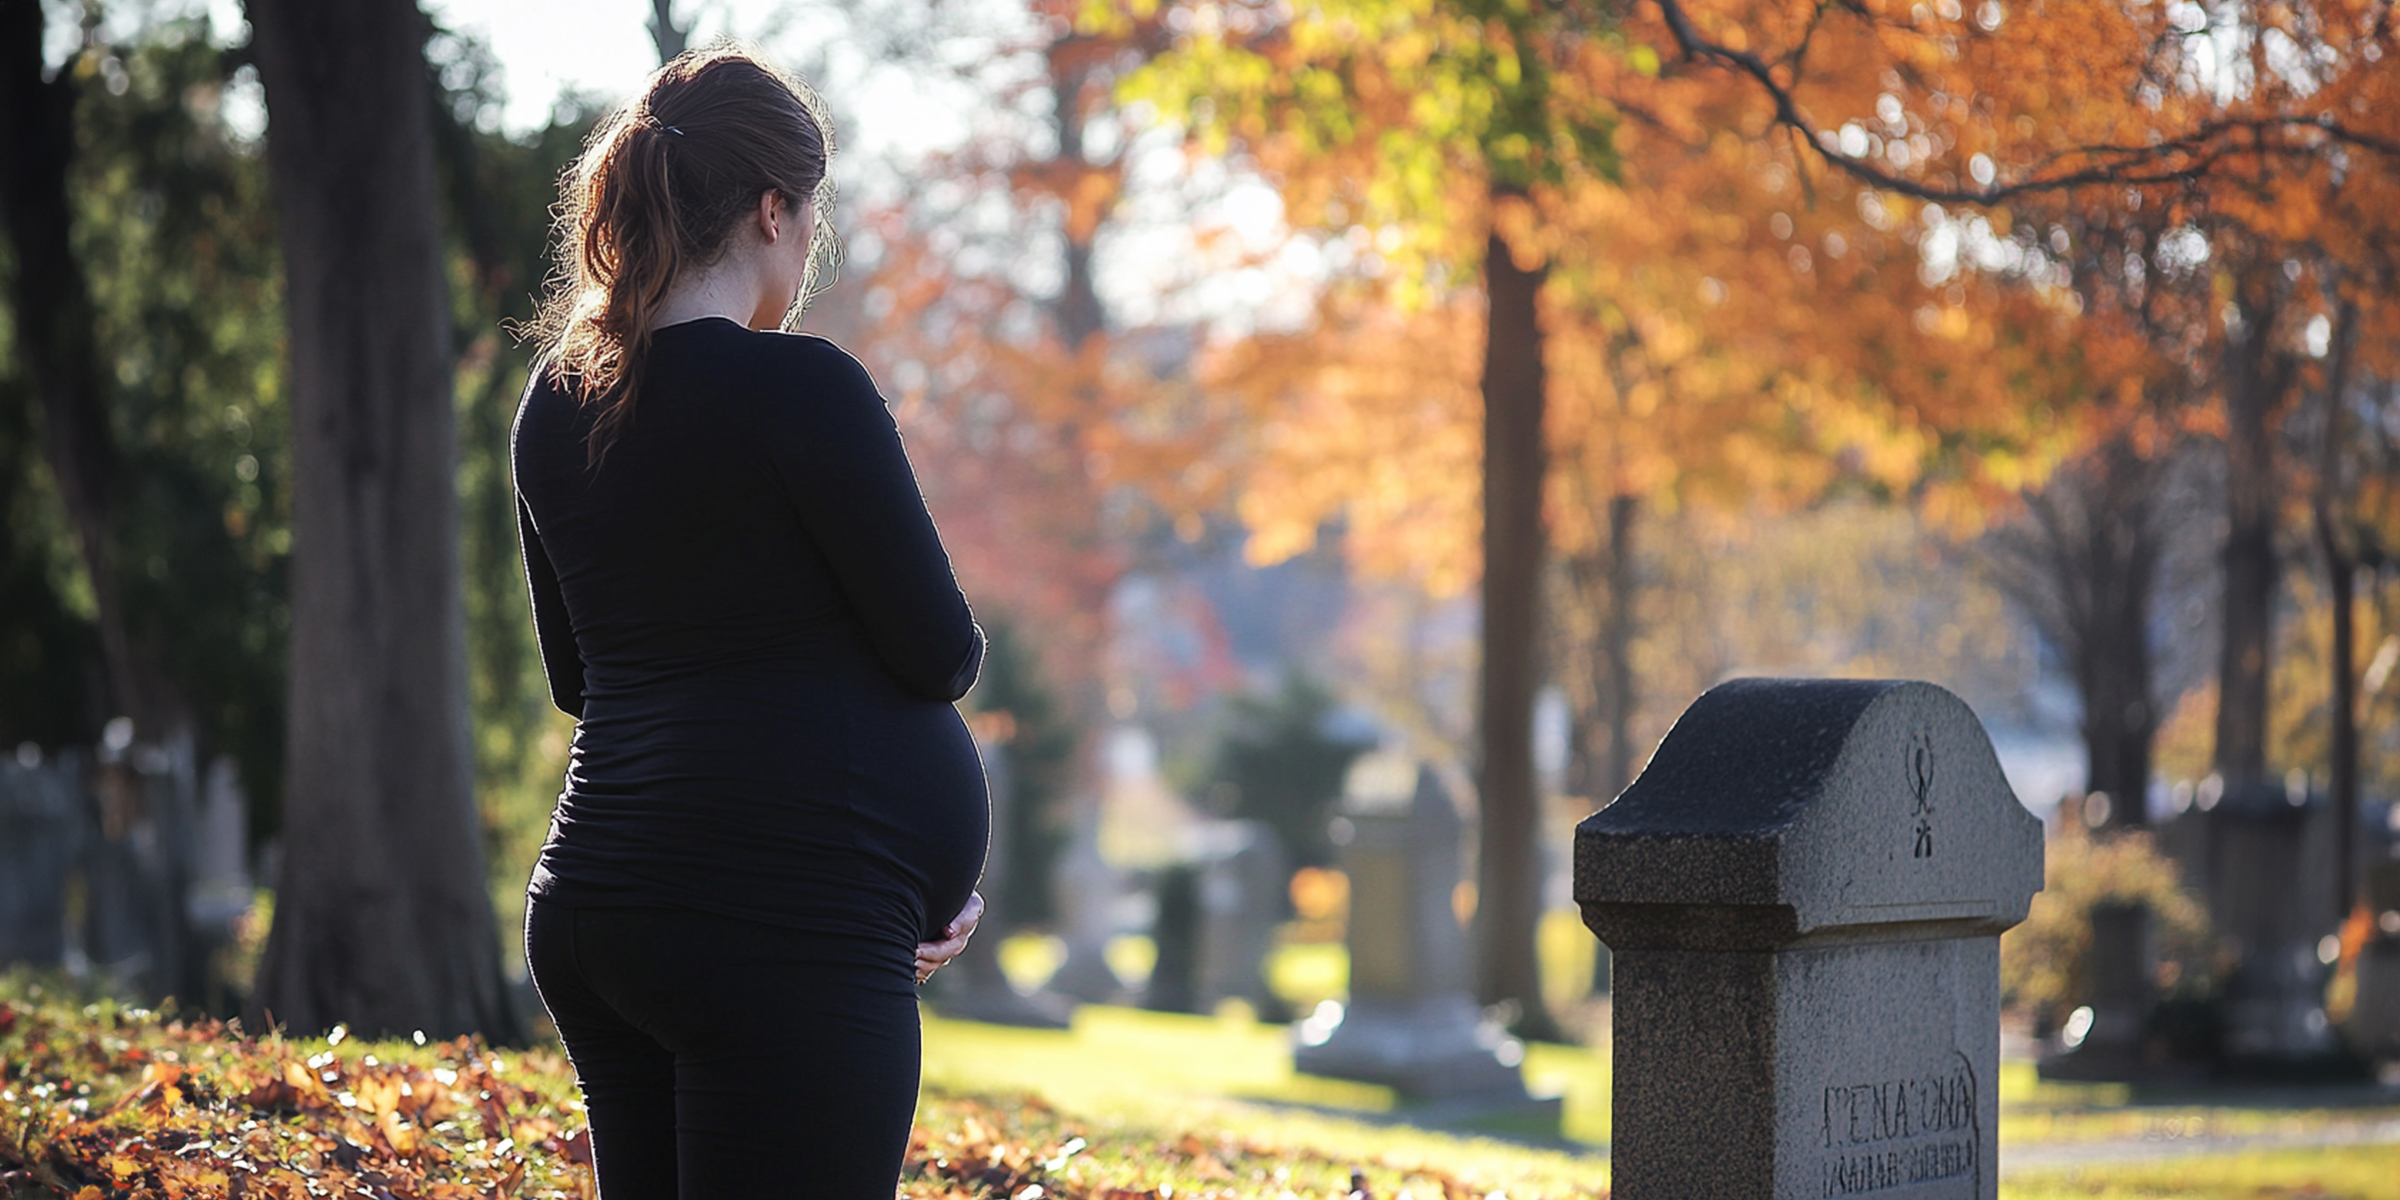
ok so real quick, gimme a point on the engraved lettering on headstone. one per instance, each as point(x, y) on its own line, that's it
point(1932, 1118)
point(1920, 789)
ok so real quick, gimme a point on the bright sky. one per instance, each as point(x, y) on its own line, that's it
point(546, 47)
point(905, 78)
point(890, 112)
point(602, 49)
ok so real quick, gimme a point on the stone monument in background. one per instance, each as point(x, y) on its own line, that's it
point(1411, 1022)
point(1215, 921)
point(2374, 1026)
point(1804, 893)
point(2265, 855)
point(2120, 995)
point(1244, 884)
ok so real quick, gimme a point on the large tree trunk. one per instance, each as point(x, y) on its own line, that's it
point(1617, 695)
point(2084, 568)
point(382, 919)
point(2341, 573)
point(2110, 646)
point(2256, 376)
point(1508, 883)
point(57, 341)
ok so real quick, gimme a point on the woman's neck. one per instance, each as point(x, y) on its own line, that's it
point(724, 290)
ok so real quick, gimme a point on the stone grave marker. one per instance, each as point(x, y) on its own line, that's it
point(2375, 1014)
point(1175, 933)
point(1243, 882)
point(41, 832)
point(1804, 894)
point(2118, 991)
point(1411, 1023)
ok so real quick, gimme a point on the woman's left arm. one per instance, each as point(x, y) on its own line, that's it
point(842, 464)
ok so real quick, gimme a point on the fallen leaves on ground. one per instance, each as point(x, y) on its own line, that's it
point(101, 1102)
point(106, 1102)
point(1020, 1148)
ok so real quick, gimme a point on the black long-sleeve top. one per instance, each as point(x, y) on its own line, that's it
point(749, 609)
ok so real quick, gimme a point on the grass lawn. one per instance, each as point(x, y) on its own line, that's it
point(2327, 1173)
point(1141, 1077)
point(1136, 1075)
point(100, 1101)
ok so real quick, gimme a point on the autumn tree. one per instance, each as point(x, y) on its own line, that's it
point(382, 920)
point(1439, 120)
point(2264, 134)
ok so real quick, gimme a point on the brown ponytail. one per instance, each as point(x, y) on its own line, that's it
point(660, 187)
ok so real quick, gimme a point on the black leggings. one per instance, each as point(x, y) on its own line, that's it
point(721, 1058)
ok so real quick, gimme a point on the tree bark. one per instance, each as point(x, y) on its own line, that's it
point(667, 33)
point(382, 918)
point(1078, 313)
point(1617, 640)
point(2085, 569)
point(57, 340)
point(2341, 575)
point(2256, 376)
point(2110, 645)
point(1508, 886)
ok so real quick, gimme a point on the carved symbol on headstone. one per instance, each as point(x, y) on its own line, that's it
point(1920, 786)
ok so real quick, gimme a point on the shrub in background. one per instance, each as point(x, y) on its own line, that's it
point(2042, 960)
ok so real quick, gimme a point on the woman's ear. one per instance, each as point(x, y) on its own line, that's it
point(771, 220)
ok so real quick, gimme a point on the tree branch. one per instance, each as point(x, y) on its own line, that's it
point(2174, 160)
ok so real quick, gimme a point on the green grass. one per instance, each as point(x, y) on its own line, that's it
point(1142, 1076)
point(2329, 1173)
point(1125, 1103)
point(1130, 1060)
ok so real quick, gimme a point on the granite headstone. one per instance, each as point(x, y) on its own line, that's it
point(1804, 894)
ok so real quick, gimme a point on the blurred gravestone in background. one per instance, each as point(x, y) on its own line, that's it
point(1244, 880)
point(2112, 1041)
point(1175, 935)
point(127, 865)
point(2261, 856)
point(1216, 919)
point(1089, 890)
point(1411, 1022)
point(2374, 1025)
point(42, 827)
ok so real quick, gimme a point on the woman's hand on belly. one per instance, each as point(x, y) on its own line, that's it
point(933, 956)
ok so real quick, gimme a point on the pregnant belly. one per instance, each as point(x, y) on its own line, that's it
point(922, 801)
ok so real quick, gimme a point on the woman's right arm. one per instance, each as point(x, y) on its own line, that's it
point(561, 661)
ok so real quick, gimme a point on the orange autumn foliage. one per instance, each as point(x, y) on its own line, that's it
point(1733, 317)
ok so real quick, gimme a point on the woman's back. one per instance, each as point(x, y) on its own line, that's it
point(750, 611)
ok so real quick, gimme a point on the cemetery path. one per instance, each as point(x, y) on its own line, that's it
point(2166, 1143)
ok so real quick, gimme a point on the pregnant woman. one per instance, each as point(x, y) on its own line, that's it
point(773, 818)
